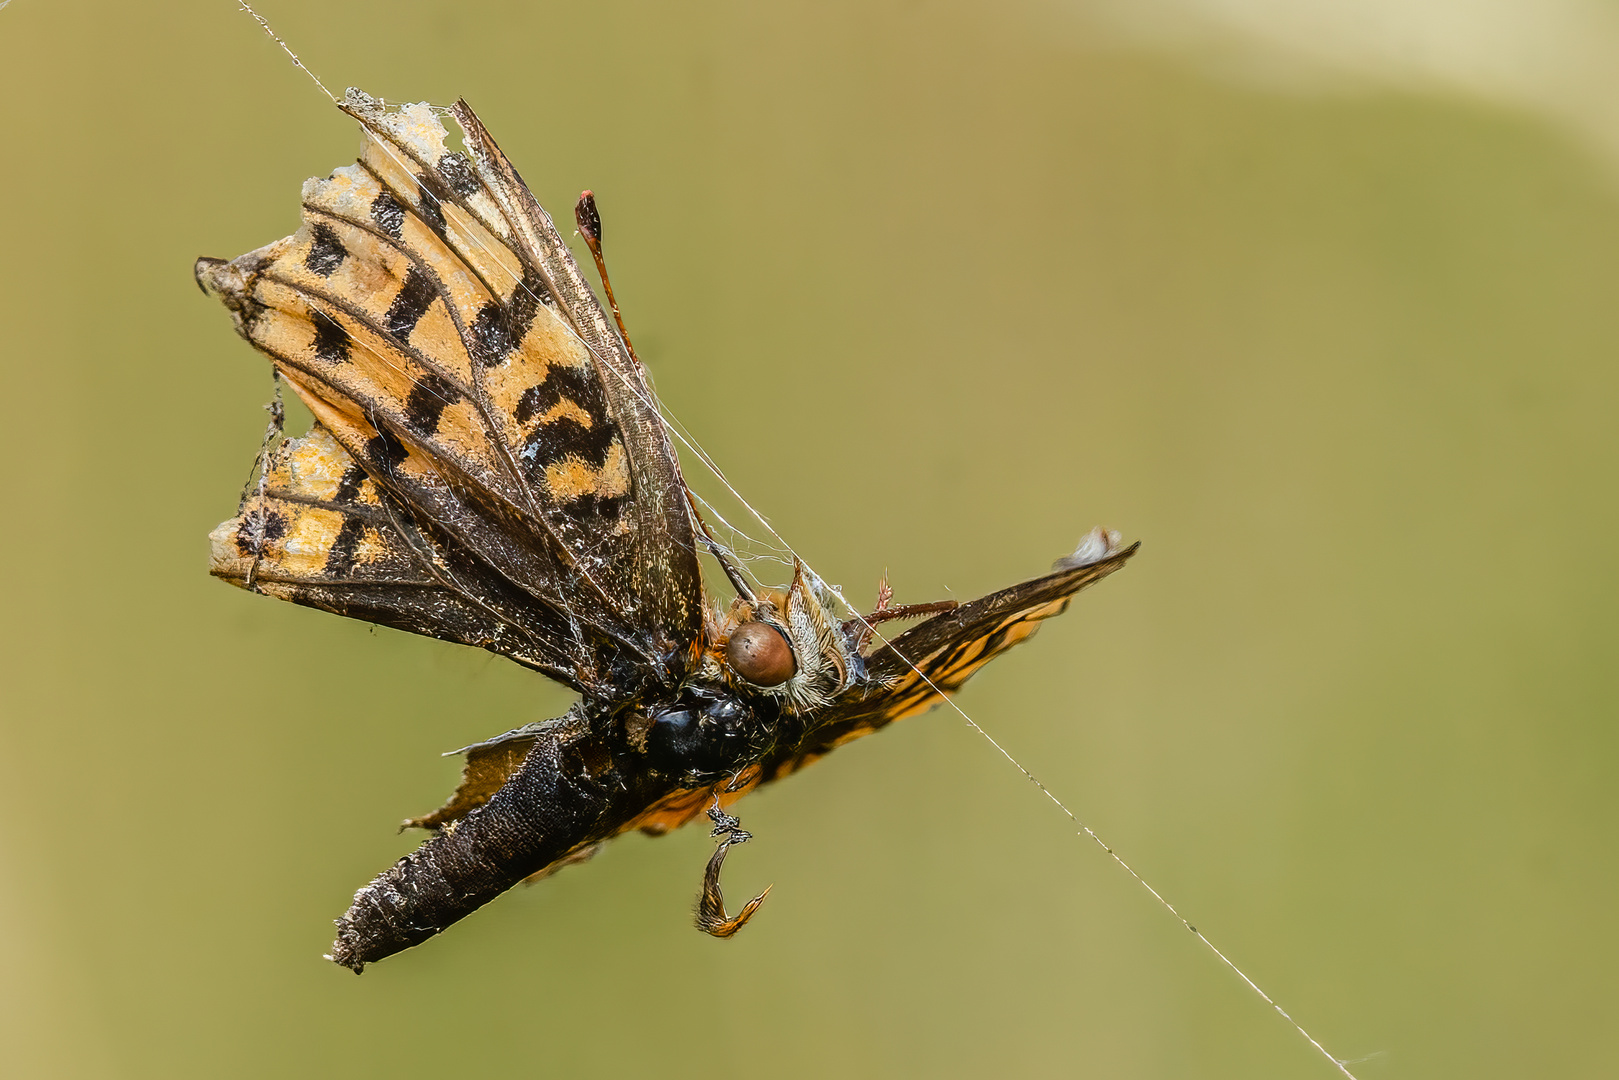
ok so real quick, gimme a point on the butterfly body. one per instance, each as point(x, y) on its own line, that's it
point(488, 466)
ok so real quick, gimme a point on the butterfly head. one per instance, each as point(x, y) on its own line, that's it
point(784, 643)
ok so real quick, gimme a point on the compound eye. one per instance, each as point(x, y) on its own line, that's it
point(760, 654)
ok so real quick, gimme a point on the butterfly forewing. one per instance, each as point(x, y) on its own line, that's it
point(603, 459)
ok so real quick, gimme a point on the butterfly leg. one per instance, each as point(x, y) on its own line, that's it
point(862, 628)
point(727, 826)
point(711, 917)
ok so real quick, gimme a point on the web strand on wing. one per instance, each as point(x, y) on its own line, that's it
point(678, 431)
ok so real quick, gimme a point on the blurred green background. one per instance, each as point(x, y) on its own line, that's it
point(1325, 320)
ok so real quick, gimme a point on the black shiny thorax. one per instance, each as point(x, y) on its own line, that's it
point(708, 732)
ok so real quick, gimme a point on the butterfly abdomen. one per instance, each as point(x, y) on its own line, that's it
point(544, 813)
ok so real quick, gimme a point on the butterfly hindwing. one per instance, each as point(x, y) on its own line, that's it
point(321, 532)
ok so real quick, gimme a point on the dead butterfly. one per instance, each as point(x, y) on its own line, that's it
point(488, 466)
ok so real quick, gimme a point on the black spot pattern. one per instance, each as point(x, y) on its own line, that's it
point(498, 328)
point(410, 304)
point(573, 384)
point(348, 489)
point(259, 529)
point(458, 173)
point(491, 335)
point(388, 214)
point(565, 436)
point(427, 401)
point(427, 206)
point(326, 251)
point(340, 559)
point(596, 506)
point(331, 340)
point(384, 449)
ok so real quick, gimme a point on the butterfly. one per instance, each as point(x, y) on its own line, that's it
point(488, 465)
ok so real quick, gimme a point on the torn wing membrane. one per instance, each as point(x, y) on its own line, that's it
point(486, 766)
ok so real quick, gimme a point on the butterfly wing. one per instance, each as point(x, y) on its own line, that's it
point(320, 531)
point(661, 582)
point(932, 660)
point(433, 320)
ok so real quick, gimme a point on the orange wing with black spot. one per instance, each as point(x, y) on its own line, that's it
point(320, 531)
point(432, 318)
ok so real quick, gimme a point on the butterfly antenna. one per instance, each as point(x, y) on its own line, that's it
point(723, 557)
point(590, 227)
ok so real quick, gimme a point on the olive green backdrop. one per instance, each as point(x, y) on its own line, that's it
point(942, 287)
